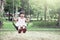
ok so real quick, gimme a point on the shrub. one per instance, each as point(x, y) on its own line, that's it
point(44, 24)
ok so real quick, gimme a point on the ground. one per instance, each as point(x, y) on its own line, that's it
point(8, 32)
point(30, 35)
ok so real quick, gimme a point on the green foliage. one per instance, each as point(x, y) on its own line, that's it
point(38, 6)
point(1, 16)
point(11, 5)
point(8, 6)
point(17, 3)
point(25, 5)
point(31, 26)
point(44, 24)
point(8, 25)
point(37, 9)
point(1, 20)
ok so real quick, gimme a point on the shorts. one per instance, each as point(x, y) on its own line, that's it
point(22, 29)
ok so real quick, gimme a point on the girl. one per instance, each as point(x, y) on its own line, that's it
point(21, 22)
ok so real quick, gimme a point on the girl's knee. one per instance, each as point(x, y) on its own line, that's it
point(19, 31)
point(24, 30)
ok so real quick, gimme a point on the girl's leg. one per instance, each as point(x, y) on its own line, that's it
point(24, 29)
point(19, 29)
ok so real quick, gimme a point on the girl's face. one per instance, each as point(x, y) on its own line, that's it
point(22, 15)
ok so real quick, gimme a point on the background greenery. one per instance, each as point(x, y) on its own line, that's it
point(42, 13)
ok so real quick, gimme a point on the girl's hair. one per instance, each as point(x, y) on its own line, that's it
point(22, 12)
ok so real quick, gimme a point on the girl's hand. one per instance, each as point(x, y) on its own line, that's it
point(27, 19)
point(15, 19)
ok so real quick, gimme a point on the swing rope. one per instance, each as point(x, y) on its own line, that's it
point(15, 26)
point(21, 10)
point(13, 18)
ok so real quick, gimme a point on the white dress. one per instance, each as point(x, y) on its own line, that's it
point(21, 22)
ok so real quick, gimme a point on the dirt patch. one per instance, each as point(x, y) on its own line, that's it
point(30, 35)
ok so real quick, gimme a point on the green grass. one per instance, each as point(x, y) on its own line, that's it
point(8, 25)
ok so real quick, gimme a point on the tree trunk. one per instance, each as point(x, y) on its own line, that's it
point(9, 16)
point(0, 6)
point(59, 20)
point(1, 11)
point(16, 9)
point(45, 11)
point(38, 16)
point(16, 14)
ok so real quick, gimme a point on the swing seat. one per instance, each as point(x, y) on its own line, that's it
point(15, 26)
point(19, 31)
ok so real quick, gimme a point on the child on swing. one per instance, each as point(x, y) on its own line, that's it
point(21, 22)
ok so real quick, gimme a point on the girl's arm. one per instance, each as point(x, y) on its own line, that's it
point(15, 19)
point(27, 19)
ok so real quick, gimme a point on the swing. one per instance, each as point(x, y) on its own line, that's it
point(15, 26)
point(19, 30)
point(16, 16)
point(23, 28)
point(13, 21)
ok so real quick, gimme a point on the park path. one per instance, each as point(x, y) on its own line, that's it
point(30, 35)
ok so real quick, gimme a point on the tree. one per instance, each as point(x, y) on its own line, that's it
point(45, 12)
point(11, 7)
point(25, 6)
point(2, 2)
point(58, 11)
point(17, 4)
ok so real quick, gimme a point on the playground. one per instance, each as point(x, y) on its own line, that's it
point(30, 35)
point(10, 33)
point(41, 18)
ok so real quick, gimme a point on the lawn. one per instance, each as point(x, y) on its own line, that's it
point(33, 33)
point(9, 26)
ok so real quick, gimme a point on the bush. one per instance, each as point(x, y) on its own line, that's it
point(44, 24)
point(1, 24)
